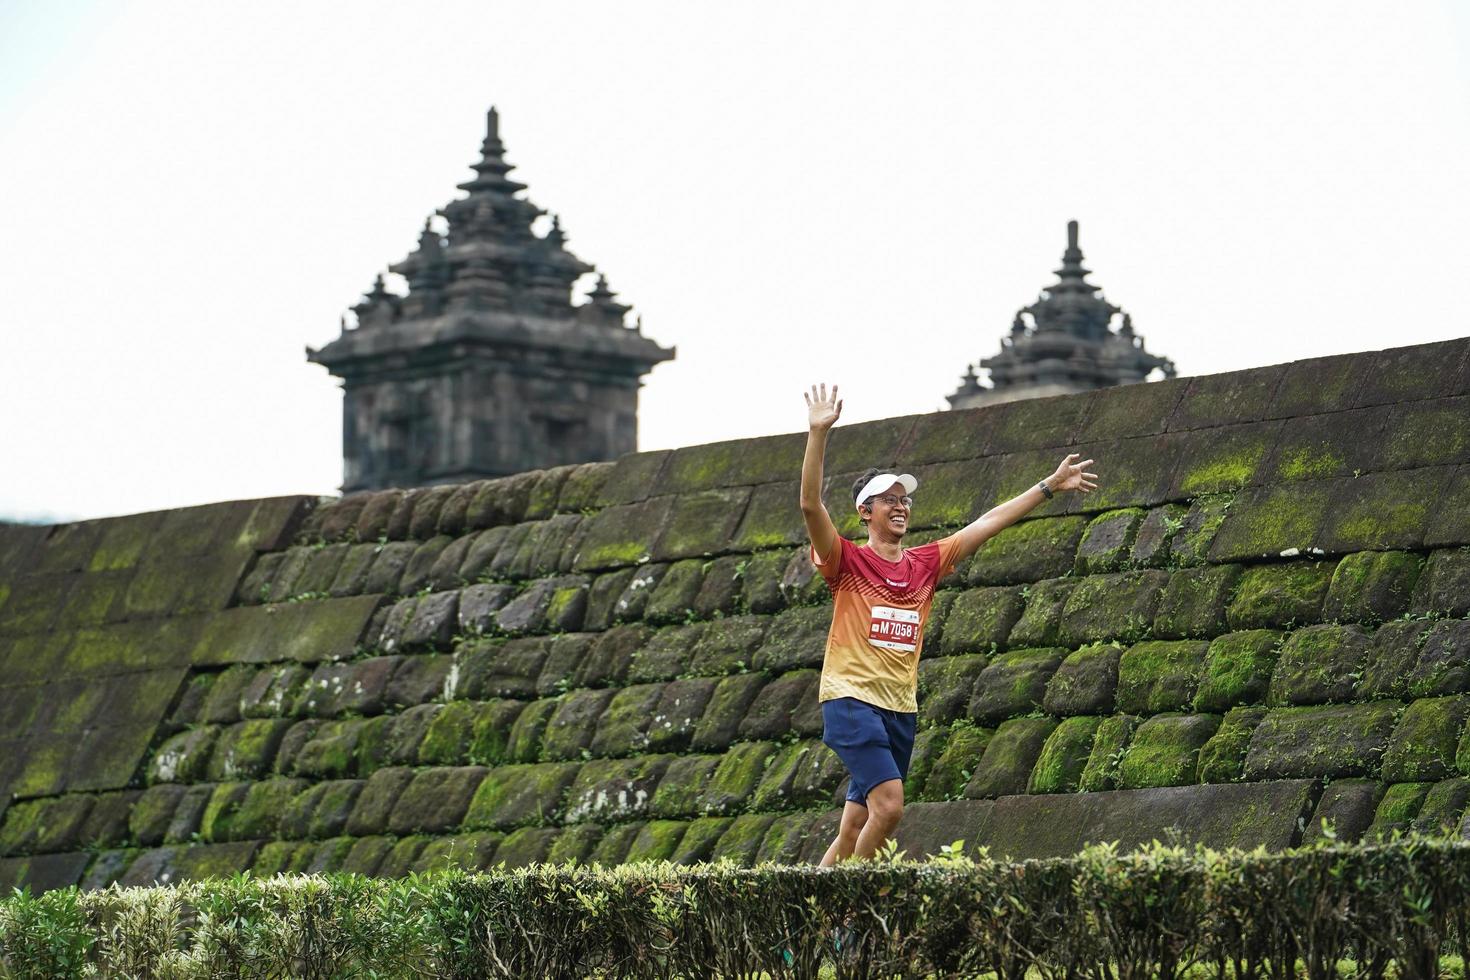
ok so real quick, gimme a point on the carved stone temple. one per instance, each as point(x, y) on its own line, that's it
point(1064, 342)
point(485, 367)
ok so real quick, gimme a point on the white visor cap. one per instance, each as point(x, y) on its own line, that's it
point(882, 482)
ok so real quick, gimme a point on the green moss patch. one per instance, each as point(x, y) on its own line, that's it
point(1444, 587)
point(524, 744)
point(622, 535)
point(666, 655)
point(680, 706)
point(1372, 586)
point(981, 619)
point(702, 523)
point(436, 800)
point(1393, 652)
point(729, 646)
point(1064, 756)
point(1028, 552)
point(1108, 540)
point(245, 750)
point(683, 785)
point(184, 757)
point(574, 724)
point(1223, 459)
point(574, 843)
point(1013, 684)
point(1328, 741)
point(1165, 750)
point(736, 777)
point(1444, 806)
point(1222, 758)
point(1160, 675)
point(1319, 664)
point(1270, 521)
point(1011, 754)
point(1112, 607)
point(672, 599)
point(1041, 622)
point(795, 638)
point(1108, 747)
point(615, 789)
point(963, 750)
point(945, 685)
point(1274, 596)
point(656, 841)
point(1194, 602)
point(728, 704)
point(623, 726)
point(1423, 746)
point(1444, 661)
point(1401, 803)
point(526, 846)
point(1237, 670)
point(742, 839)
point(1086, 682)
point(518, 796)
point(804, 774)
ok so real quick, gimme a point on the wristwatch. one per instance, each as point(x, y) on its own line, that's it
point(1046, 491)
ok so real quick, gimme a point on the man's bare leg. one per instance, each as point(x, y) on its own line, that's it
point(854, 816)
point(885, 809)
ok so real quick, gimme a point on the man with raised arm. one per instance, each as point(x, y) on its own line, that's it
point(881, 595)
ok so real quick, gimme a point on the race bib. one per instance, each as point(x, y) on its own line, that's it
point(894, 629)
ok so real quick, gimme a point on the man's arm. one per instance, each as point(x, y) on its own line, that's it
point(1070, 475)
point(822, 413)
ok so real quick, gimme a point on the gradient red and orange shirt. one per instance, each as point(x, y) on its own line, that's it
point(879, 608)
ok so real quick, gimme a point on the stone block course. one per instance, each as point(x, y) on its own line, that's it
point(1028, 551)
point(1275, 596)
point(1326, 741)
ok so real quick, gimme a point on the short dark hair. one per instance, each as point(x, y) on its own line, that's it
point(862, 481)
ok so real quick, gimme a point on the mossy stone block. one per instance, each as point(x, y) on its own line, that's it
point(760, 588)
point(1160, 675)
point(1192, 540)
point(334, 804)
point(188, 813)
point(566, 655)
point(583, 486)
point(672, 599)
point(1444, 806)
point(1120, 606)
point(1276, 596)
point(720, 594)
point(613, 845)
point(623, 727)
point(1326, 741)
point(611, 655)
point(785, 840)
point(1194, 602)
point(1064, 756)
point(981, 619)
point(963, 748)
point(742, 839)
point(1347, 806)
point(736, 778)
point(1423, 746)
point(1381, 511)
point(1444, 661)
point(702, 523)
point(501, 501)
point(1151, 543)
point(217, 822)
point(603, 596)
point(683, 785)
point(386, 571)
point(1372, 586)
point(1222, 758)
point(1393, 652)
point(1237, 670)
point(574, 724)
point(633, 600)
point(800, 775)
point(697, 844)
point(521, 796)
point(490, 731)
point(728, 705)
point(666, 655)
point(573, 844)
point(436, 800)
point(527, 612)
point(1223, 459)
point(447, 741)
point(1041, 621)
point(656, 841)
point(1010, 755)
point(401, 857)
point(526, 846)
point(795, 638)
point(729, 645)
point(1108, 747)
point(260, 812)
point(524, 742)
point(420, 564)
point(1165, 751)
point(680, 706)
point(929, 745)
point(945, 687)
point(45, 825)
point(468, 852)
point(1028, 552)
point(184, 757)
point(276, 858)
point(245, 750)
point(273, 691)
point(1013, 684)
point(608, 790)
point(409, 729)
point(1108, 540)
point(419, 679)
point(800, 583)
point(1444, 587)
point(1397, 810)
point(375, 803)
point(152, 812)
point(622, 535)
point(1086, 681)
point(327, 749)
point(1319, 664)
point(771, 714)
point(496, 668)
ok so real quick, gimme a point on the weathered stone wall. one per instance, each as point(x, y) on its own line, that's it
point(1257, 622)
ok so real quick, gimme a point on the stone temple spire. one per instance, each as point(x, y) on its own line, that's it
point(485, 366)
point(1064, 342)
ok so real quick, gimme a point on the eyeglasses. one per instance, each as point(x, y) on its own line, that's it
point(892, 501)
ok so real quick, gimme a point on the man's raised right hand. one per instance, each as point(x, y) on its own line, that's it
point(822, 410)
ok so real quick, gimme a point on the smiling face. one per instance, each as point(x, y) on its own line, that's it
point(886, 513)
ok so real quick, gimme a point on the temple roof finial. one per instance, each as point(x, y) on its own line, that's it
point(492, 124)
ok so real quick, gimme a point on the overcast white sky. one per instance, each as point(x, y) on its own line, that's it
point(194, 192)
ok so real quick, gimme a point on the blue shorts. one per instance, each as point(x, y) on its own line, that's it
point(874, 743)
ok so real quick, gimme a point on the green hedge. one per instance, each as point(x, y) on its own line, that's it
point(1167, 911)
